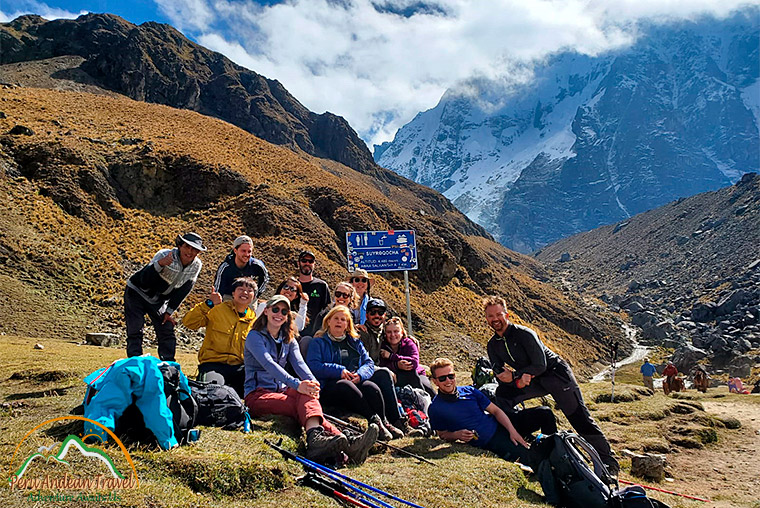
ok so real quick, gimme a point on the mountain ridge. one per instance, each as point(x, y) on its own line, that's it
point(594, 140)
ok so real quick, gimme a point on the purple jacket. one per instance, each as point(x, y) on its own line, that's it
point(407, 350)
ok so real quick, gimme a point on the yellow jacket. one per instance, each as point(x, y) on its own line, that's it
point(225, 331)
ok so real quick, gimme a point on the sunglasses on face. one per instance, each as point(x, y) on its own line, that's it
point(360, 279)
point(443, 378)
point(281, 310)
point(376, 312)
point(341, 294)
point(307, 261)
point(290, 288)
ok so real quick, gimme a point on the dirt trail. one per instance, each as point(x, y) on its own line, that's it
point(733, 465)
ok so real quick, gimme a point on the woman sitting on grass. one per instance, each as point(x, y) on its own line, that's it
point(343, 367)
point(400, 353)
point(270, 389)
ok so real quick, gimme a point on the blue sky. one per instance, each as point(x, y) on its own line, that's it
point(380, 62)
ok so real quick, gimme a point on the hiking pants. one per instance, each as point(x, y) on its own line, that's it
point(383, 378)
point(223, 374)
point(532, 419)
point(501, 444)
point(560, 383)
point(364, 398)
point(288, 403)
point(135, 308)
point(415, 380)
point(649, 382)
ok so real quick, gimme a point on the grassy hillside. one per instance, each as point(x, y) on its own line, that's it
point(105, 182)
point(706, 458)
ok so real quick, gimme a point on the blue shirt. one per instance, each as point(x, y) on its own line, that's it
point(648, 369)
point(466, 412)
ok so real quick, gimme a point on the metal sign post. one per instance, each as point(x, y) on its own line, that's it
point(408, 303)
point(384, 251)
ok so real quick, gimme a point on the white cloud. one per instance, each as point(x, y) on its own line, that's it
point(39, 8)
point(378, 68)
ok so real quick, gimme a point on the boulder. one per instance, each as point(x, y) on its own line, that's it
point(741, 366)
point(645, 318)
point(703, 312)
point(729, 303)
point(102, 339)
point(22, 130)
point(687, 356)
point(634, 307)
point(648, 465)
point(565, 257)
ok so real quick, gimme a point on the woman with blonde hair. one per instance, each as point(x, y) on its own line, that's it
point(343, 367)
point(271, 389)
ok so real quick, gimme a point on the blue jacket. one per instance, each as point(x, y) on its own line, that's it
point(139, 380)
point(323, 358)
point(264, 368)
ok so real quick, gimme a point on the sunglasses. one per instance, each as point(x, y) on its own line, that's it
point(360, 279)
point(341, 294)
point(307, 260)
point(376, 312)
point(290, 288)
point(443, 378)
point(281, 310)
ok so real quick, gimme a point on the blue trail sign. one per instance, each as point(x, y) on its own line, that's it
point(381, 251)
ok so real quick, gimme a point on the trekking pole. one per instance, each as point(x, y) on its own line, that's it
point(332, 488)
point(332, 472)
point(665, 491)
point(317, 469)
point(345, 424)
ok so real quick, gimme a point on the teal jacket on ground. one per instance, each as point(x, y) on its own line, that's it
point(139, 380)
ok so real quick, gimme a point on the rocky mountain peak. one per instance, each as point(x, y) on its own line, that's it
point(589, 140)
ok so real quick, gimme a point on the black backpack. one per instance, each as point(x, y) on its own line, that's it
point(218, 405)
point(482, 373)
point(572, 475)
point(131, 424)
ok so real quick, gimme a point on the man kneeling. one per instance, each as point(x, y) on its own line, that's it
point(457, 414)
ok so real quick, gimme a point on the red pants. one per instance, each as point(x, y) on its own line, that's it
point(288, 403)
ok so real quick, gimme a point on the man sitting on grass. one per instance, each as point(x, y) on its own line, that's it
point(463, 413)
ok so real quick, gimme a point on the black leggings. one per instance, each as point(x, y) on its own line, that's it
point(364, 398)
point(415, 380)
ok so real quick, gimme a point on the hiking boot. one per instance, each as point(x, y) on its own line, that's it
point(384, 434)
point(395, 431)
point(321, 446)
point(359, 445)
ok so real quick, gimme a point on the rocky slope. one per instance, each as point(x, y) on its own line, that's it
point(93, 186)
point(154, 62)
point(589, 141)
point(688, 273)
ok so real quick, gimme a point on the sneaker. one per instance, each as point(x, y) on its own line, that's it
point(395, 431)
point(359, 445)
point(385, 434)
point(321, 446)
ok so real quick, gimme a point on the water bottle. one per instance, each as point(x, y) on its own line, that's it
point(247, 423)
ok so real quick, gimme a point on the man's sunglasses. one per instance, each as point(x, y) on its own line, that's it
point(281, 310)
point(341, 294)
point(376, 312)
point(443, 378)
point(307, 260)
point(290, 288)
point(360, 279)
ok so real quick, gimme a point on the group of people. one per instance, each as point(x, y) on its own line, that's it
point(305, 347)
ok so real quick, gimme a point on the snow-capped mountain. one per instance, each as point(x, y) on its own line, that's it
point(586, 141)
